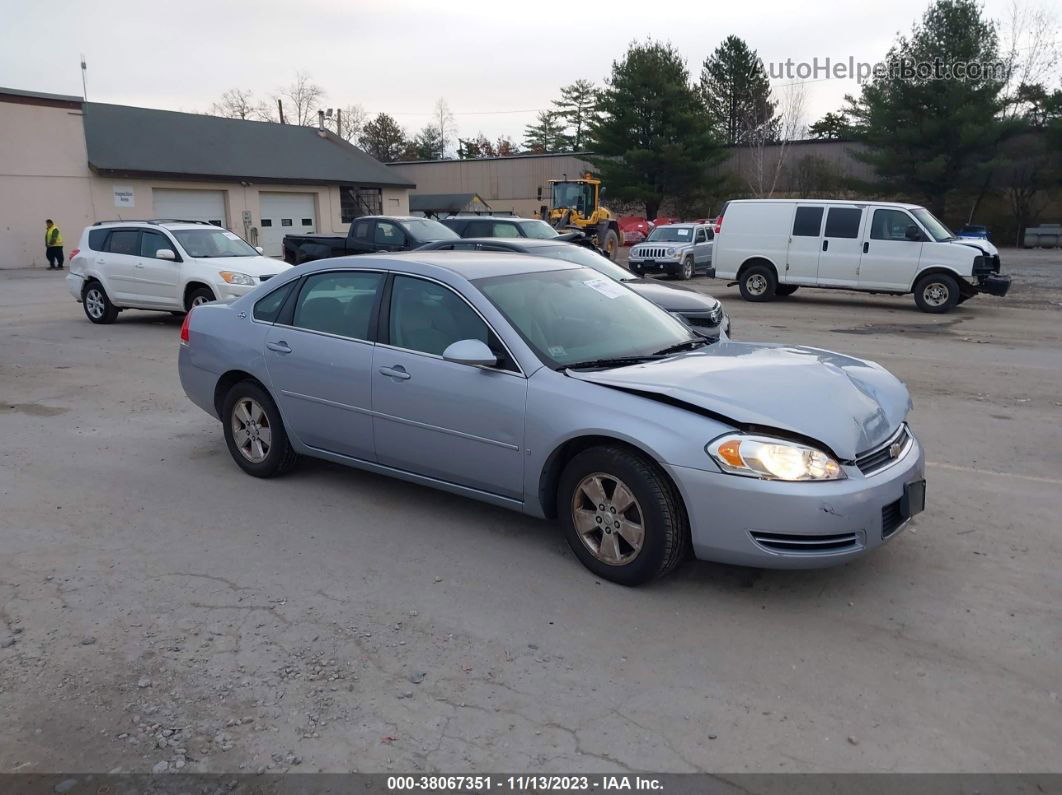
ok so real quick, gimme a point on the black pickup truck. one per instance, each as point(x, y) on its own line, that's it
point(370, 233)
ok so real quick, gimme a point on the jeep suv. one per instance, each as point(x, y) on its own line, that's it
point(164, 265)
point(680, 250)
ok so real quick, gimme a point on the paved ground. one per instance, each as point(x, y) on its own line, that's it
point(159, 609)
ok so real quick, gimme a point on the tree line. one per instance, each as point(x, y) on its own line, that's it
point(656, 134)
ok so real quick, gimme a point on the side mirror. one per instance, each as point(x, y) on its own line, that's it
point(259, 249)
point(166, 253)
point(913, 233)
point(474, 353)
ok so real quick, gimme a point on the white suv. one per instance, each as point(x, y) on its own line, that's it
point(165, 265)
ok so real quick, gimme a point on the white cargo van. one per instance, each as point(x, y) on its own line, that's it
point(771, 247)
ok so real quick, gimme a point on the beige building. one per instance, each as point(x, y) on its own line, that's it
point(81, 162)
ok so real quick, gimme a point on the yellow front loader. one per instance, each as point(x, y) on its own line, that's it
point(575, 204)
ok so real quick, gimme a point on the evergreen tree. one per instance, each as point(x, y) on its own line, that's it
point(383, 139)
point(577, 106)
point(546, 134)
point(426, 145)
point(737, 94)
point(652, 140)
point(929, 137)
point(832, 126)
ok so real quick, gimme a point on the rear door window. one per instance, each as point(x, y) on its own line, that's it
point(338, 302)
point(477, 229)
point(843, 222)
point(124, 241)
point(808, 222)
point(504, 229)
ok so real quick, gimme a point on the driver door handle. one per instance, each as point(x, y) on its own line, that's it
point(825, 245)
point(866, 247)
point(398, 372)
point(279, 347)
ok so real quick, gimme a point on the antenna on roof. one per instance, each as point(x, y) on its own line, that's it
point(84, 78)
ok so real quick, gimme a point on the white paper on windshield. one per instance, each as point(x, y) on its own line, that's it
point(606, 287)
point(231, 235)
point(683, 232)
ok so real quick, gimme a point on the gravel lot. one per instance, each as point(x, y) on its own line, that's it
point(161, 610)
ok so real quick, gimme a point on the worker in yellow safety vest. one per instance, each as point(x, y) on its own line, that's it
point(53, 245)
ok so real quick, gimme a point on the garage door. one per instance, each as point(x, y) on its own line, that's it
point(190, 205)
point(284, 214)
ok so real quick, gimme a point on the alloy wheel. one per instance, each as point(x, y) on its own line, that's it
point(251, 430)
point(199, 300)
point(608, 518)
point(94, 304)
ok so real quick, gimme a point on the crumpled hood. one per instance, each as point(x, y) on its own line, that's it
point(979, 243)
point(848, 404)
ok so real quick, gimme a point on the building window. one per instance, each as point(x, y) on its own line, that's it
point(355, 202)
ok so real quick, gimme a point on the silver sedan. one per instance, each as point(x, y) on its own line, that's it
point(550, 389)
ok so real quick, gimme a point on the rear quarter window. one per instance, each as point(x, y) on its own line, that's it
point(268, 309)
point(97, 239)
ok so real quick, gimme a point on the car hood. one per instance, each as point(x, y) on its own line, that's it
point(252, 266)
point(979, 243)
point(673, 299)
point(848, 404)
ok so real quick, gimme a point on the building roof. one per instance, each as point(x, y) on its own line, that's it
point(523, 156)
point(38, 98)
point(129, 141)
point(445, 202)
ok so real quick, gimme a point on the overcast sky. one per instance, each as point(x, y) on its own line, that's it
point(495, 63)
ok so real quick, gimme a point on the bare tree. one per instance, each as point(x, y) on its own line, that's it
point(1032, 51)
point(767, 143)
point(238, 104)
point(301, 100)
point(443, 121)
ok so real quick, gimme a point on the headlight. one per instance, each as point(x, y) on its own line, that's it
point(772, 459)
point(237, 278)
point(671, 252)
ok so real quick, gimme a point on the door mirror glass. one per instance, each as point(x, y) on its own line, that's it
point(474, 353)
point(913, 233)
point(166, 253)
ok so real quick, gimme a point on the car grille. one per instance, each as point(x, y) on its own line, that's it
point(881, 457)
point(651, 253)
point(807, 545)
point(891, 519)
point(704, 319)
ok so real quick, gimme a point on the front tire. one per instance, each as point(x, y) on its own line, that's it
point(758, 283)
point(200, 296)
point(610, 244)
point(621, 516)
point(936, 293)
point(255, 433)
point(686, 272)
point(98, 307)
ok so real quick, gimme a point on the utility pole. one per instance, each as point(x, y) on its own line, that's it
point(339, 123)
point(280, 110)
point(84, 78)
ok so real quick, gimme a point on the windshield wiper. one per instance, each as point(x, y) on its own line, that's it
point(688, 345)
point(619, 361)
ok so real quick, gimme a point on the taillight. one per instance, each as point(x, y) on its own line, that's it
point(74, 253)
point(184, 328)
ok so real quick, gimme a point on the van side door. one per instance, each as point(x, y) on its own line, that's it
point(841, 247)
point(890, 259)
point(805, 243)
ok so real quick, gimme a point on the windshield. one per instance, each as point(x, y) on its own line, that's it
point(426, 230)
point(213, 242)
point(584, 256)
point(671, 234)
point(539, 230)
point(573, 316)
point(574, 196)
point(936, 229)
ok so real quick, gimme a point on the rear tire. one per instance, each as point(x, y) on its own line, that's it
point(98, 307)
point(783, 290)
point(758, 283)
point(621, 516)
point(936, 293)
point(255, 433)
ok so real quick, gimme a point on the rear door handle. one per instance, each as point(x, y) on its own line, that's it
point(279, 347)
point(398, 372)
point(866, 247)
point(825, 245)
point(140, 265)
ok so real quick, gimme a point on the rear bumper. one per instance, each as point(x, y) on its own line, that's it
point(75, 283)
point(776, 525)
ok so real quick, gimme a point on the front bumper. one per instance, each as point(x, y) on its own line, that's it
point(994, 284)
point(654, 266)
point(776, 525)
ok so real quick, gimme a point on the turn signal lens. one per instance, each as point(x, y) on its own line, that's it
point(772, 459)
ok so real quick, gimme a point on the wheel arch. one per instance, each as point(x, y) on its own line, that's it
point(191, 287)
point(757, 260)
point(933, 270)
point(227, 381)
point(549, 476)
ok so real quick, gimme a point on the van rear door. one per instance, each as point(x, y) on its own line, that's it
point(805, 242)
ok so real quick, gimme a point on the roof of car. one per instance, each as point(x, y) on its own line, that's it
point(473, 217)
point(523, 242)
point(478, 264)
point(848, 202)
point(163, 222)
